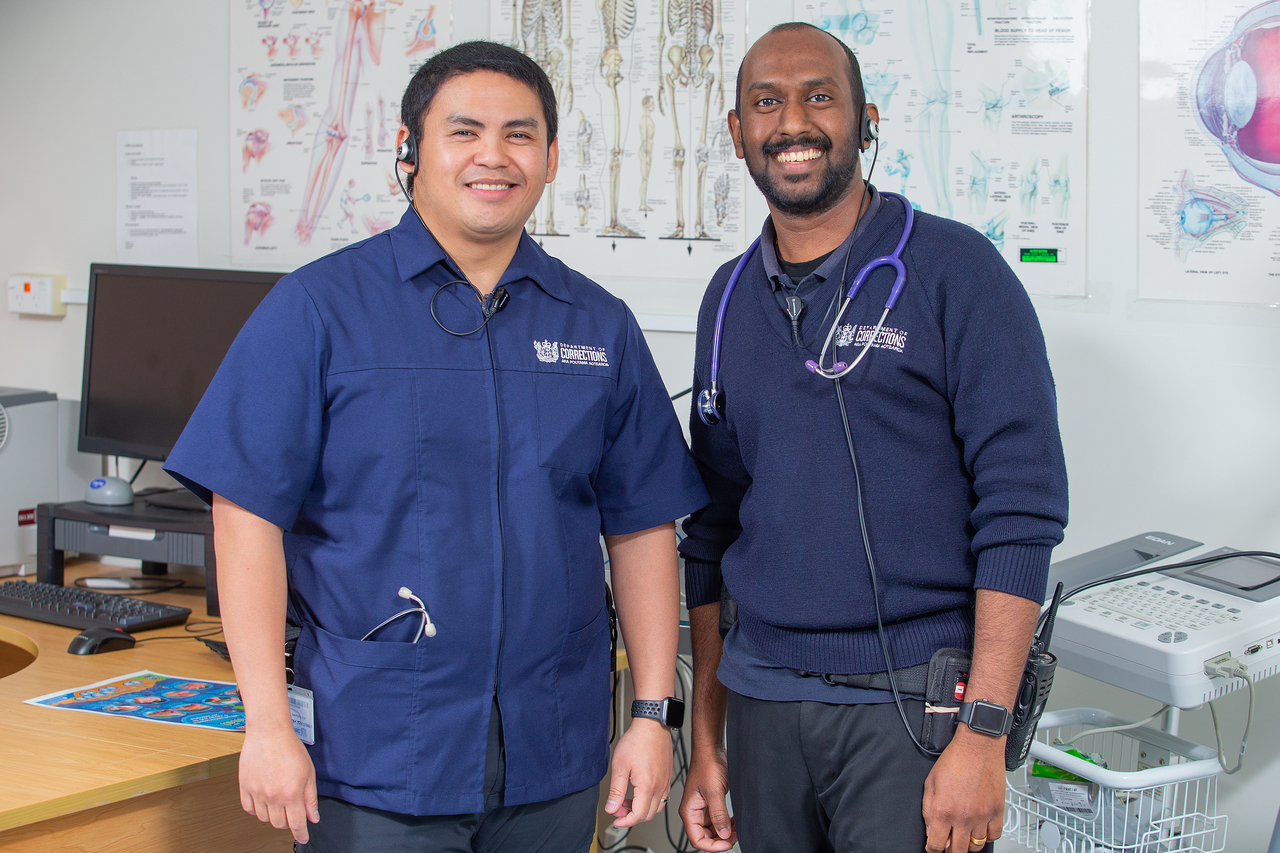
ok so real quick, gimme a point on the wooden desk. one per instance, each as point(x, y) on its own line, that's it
point(87, 782)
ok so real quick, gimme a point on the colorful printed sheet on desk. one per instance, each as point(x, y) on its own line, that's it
point(161, 698)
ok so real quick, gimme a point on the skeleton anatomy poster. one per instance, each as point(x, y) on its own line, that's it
point(315, 105)
point(982, 118)
point(648, 184)
point(1209, 227)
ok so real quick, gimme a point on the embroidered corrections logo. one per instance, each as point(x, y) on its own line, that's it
point(554, 351)
point(888, 338)
point(547, 351)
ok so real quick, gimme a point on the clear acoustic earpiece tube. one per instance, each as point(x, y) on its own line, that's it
point(425, 627)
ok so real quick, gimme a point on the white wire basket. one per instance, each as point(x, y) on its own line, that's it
point(1157, 794)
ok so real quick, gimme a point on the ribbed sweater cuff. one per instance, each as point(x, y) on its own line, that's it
point(1021, 570)
point(701, 583)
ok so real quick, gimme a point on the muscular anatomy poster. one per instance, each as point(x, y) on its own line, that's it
point(1209, 227)
point(982, 118)
point(648, 184)
point(315, 91)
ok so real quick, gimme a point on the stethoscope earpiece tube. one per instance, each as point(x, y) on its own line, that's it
point(711, 401)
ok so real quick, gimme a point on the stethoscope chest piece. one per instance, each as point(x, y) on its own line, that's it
point(711, 406)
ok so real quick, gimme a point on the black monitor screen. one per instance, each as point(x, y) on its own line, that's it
point(155, 337)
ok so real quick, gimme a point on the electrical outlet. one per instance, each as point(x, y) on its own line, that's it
point(37, 294)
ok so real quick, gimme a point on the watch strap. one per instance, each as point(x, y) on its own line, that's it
point(647, 709)
point(669, 712)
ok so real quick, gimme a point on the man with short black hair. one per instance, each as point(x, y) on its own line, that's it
point(886, 481)
point(412, 449)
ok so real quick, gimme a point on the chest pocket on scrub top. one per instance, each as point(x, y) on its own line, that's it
point(571, 410)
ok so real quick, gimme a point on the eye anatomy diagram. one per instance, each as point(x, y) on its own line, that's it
point(982, 105)
point(1209, 126)
point(1204, 213)
point(313, 127)
point(645, 156)
point(1237, 92)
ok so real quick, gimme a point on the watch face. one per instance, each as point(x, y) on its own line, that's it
point(988, 718)
point(673, 712)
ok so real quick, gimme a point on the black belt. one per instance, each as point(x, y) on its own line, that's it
point(913, 679)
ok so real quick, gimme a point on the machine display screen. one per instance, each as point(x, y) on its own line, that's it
point(1242, 573)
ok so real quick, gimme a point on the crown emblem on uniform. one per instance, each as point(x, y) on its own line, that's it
point(547, 351)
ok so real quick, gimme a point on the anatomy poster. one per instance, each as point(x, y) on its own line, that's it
point(1209, 227)
point(982, 118)
point(648, 184)
point(315, 106)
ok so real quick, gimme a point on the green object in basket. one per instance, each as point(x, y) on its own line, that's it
point(1045, 770)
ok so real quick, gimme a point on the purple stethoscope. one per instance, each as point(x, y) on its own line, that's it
point(711, 402)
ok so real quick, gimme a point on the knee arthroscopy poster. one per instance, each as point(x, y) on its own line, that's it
point(982, 118)
point(315, 89)
point(1209, 224)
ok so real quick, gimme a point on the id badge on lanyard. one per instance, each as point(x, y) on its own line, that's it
point(302, 708)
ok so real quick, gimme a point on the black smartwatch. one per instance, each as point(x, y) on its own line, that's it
point(986, 718)
point(669, 711)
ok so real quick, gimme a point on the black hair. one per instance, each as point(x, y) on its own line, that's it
point(855, 71)
point(469, 57)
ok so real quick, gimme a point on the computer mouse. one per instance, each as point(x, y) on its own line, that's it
point(108, 491)
point(92, 641)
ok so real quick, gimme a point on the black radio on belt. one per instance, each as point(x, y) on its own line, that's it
point(1033, 694)
point(947, 680)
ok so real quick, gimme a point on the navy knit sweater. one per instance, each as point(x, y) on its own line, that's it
point(954, 420)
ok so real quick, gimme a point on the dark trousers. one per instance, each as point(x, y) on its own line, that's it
point(563, 825)
point(825, 778)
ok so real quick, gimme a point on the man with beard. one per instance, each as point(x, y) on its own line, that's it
point(862, 524)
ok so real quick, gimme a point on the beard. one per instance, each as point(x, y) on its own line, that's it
point(833, 183)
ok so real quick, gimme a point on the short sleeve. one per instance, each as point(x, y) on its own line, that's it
point(646, 475)
point(255, 437)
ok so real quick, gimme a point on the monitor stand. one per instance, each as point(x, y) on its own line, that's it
point(176, 499)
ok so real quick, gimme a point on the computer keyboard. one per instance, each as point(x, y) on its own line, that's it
point(84, 608)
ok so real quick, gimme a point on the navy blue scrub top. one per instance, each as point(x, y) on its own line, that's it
point(478, 471)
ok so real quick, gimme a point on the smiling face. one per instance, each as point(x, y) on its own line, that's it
point(483, 160)
point(798, 125)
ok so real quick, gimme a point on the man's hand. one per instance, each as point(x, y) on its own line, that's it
point(278, 782)
point(643, 759)
point(964, 794)
point(703, 808)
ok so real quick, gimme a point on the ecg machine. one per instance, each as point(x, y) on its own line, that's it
point(1154, 634)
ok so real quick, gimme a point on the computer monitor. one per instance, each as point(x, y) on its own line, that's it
point(153, 341)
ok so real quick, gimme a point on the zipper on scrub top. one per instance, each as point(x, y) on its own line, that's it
point(502, 539)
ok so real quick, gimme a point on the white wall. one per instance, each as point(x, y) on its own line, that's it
point(1170, 412)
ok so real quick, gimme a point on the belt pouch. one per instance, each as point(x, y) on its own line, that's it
point(948, 676)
